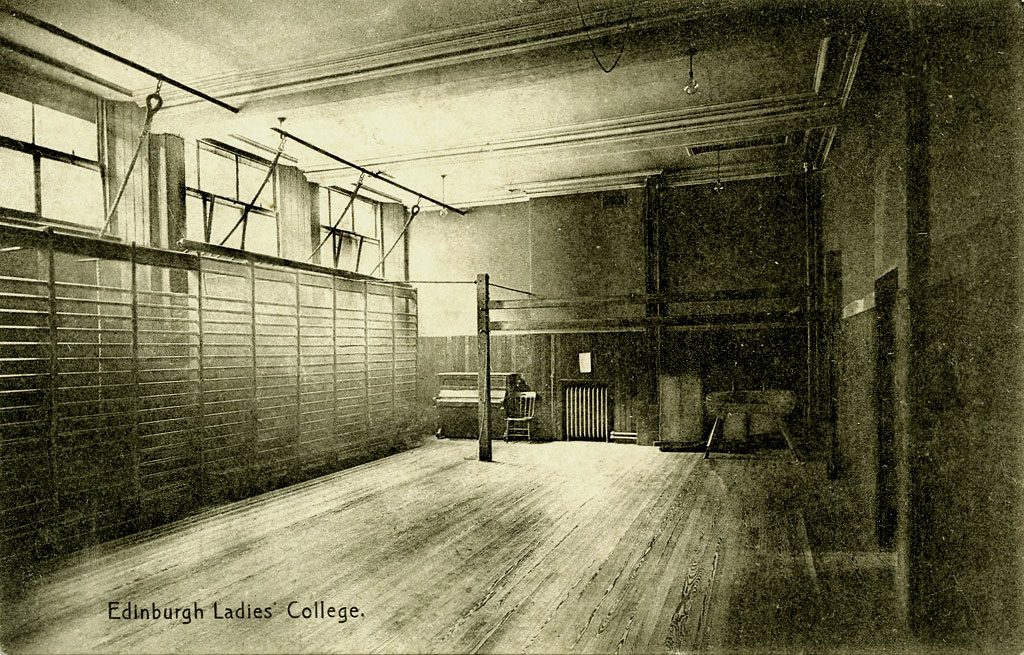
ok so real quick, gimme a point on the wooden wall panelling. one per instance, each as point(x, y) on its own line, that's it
point(129, 405)
point(276, 339)
point(122, 124)
point(351, 398)
point(317, 372)
point(95, 399)
point(229, 363)
point(168, 423)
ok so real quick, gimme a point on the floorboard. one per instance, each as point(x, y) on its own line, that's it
point(558, 547)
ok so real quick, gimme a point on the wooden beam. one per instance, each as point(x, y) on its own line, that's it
point(647, 298)
point(258, 258)
point(626, 324)
point(483, 365)
point(90, 246)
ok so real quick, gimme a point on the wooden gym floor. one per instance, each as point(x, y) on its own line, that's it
point(557, 547)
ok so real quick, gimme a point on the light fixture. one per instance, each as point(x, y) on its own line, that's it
point(444, 210)
point(693, 87)
point(718, 178)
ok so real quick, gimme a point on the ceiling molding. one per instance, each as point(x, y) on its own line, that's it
point(732, 173)
point(590, 184)
point(848, 72)
point(853, 55)
point(819, 67)
point(637, 179)
point(775, 114)
point(482, 201)
point(510, 36)
point(827, 137)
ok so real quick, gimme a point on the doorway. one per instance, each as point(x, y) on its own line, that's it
point(886, 288)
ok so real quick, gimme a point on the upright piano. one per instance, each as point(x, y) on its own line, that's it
point(457, 401)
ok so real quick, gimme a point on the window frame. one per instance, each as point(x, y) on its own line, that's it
point(40, 153)
point(211, 199)
point(338, 235)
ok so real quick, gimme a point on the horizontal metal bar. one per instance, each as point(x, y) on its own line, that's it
point(367, 171)
point(68, 68)
point(53, 29)
point(442, 281)
point(228, 201)
point(501, 286)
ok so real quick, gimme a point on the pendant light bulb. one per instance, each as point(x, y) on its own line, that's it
point(693, 88)
point(444, 210)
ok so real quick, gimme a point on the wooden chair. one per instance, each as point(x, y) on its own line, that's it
point(519, 414)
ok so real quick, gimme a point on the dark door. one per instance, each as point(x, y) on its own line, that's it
point(833, 328)
point(885, 406)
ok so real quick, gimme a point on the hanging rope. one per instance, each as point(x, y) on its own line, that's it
point(153, 104)
point(412, 214)
point(330, 233)
point(593, 48)
point(250, 205)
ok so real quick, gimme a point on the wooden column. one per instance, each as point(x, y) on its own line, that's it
point(366, 360)
point(833, 347)
point(200, 477)
point(483, 383)
point(655, 264)
point(133, 432)
point(52, 450)
point(252, 445)
point(297, 445)
point(394, 352)
point(556, 400)
point(918, 590)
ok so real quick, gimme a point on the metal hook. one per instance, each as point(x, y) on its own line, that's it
point(153, 103)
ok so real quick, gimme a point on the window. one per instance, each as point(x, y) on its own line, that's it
point(51, 164)
point(354, 242)
point(220, 181)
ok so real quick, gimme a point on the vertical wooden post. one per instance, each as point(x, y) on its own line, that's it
point(655, 264)
point(297, 463)
point(808, 310)
point(136, 457)
point(833, 320)
point(394, 352)
point(51, 286)
point(366, 358)
point(334, 359)
point(253, 445)
point(200, 488)
point(556, 401)
point(410, 304)
point(483, 382)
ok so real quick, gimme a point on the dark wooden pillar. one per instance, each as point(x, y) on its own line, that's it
point(917, 589)
point(653, 287)
point(483, 384)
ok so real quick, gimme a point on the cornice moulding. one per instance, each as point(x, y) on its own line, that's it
point(458, 45)
point(731, 173)
point(778, 113)
point(591, 184)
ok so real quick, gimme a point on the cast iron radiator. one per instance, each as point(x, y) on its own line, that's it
point(586, 412)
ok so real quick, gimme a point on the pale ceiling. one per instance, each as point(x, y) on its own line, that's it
point(501, 96)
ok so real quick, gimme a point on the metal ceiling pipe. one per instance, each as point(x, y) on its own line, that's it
point(53, 29)
point(367, 171)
